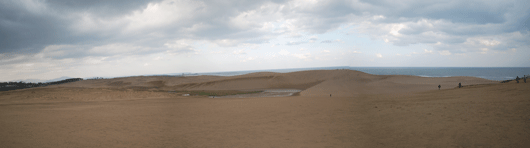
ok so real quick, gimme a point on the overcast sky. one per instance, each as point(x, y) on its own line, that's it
point(45, 39)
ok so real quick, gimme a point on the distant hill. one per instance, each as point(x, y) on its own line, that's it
point(5, 86)
point(58, 79)
point(30, 80)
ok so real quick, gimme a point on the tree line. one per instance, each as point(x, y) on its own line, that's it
point(5, 86)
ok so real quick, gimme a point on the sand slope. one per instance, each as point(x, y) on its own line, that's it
point(364, 111)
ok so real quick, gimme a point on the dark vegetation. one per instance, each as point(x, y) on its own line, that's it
point(516, 79)
point(5, 86)
point(95, 78)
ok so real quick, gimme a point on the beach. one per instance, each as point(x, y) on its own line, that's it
point(333, 108)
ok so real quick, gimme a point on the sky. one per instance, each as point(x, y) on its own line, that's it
point(46, 39)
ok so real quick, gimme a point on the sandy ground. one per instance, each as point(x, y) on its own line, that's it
point(364, 111)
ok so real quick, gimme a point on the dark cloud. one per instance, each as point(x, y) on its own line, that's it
point(101, 8)
point(31, 26)
point(22, 30)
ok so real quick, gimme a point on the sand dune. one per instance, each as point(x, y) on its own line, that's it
point(343, 83)
point(364, 111)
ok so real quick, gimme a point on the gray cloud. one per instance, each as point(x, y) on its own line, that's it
point(428, 22)
point(25, 31)
point(101, 8)
point(30, 26)
point(471, 11)
point(80, 28)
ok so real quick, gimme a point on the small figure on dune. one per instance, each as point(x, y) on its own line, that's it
point(439, 86)
point(517, 79)
point(524, 78)
point(459, 85)
point(329, 95)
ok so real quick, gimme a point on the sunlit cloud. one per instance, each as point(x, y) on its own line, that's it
point(284, 52)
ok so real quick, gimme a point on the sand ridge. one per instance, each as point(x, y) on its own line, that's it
point(344, 83)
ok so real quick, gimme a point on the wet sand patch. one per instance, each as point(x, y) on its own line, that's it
point(264, 93)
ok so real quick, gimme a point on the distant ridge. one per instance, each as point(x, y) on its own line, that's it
point(490, 73)
point(58, 79)
point(30, 80)
point(5, 86)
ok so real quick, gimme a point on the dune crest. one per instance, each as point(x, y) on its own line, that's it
point(340, 83)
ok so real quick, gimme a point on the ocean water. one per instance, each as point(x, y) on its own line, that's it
point(491, 73)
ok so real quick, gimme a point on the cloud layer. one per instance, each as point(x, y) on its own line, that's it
point(100, 31)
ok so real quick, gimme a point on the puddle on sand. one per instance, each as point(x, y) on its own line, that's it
point(265, 93)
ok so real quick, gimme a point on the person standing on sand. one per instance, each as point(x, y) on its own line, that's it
point(439, 87)
point(459, 85)
point(517, 79)
point(329, 95)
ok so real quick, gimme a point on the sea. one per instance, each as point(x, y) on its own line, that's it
point(491, 73)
